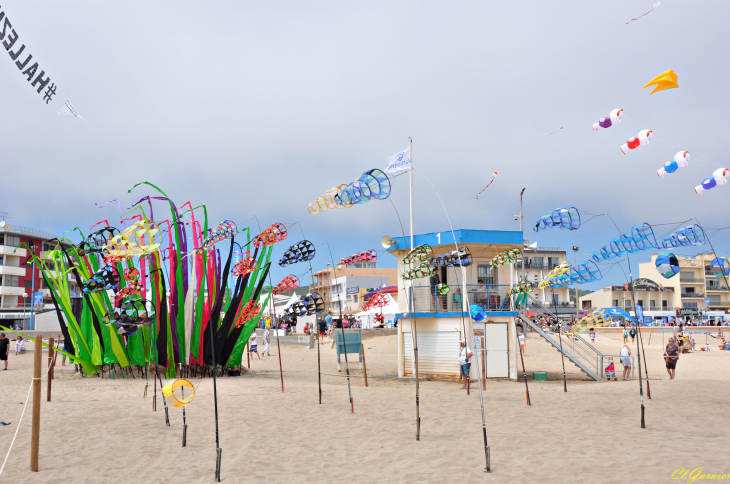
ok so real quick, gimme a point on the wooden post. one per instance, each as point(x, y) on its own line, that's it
point(248, 355)
point(36, 424)
point(484, 368)
point(364, 367)
point(50, 371)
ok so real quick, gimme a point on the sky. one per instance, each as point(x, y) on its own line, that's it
point(257, 108)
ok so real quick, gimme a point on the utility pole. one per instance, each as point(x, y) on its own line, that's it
point(522, 229)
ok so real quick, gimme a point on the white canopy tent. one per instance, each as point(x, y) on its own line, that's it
point(388, 311)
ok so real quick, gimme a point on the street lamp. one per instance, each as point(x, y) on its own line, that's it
point(25, 296)
point(575, 253)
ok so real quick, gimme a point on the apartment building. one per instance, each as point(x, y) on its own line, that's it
point(342, 287)
point(538, 263)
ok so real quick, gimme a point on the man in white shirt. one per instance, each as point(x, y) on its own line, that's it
point(464, 360)
point(266, 343)
point(253, 347)
point(626, 361)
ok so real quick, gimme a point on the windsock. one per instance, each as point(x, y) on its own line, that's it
point(644, 138)
point(681, 160)
point(719, 177)
point(613, 118)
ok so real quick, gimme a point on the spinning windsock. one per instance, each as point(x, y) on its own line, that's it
point(644, 138)
point(613, 118)
point(719, 177)
point(681, 160)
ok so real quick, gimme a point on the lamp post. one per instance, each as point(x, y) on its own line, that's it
point(25, 297)
point(575, 252)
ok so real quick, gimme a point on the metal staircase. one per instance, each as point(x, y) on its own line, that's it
point(579, 351)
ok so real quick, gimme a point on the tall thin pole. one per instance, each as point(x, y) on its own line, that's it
point(218, 449)
point(32, 288)
point(36, 424)
point(414, 329)
point(342, 327)
point(560, 337)
point(522, 229)
point(575, 252)
point(50, 369)
point(278, 346)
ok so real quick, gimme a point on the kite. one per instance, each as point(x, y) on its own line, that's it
point(369, 255)
point(566, 218)
point(423, 270)
point(419, 254)
point(443, 289)
point(275, 233)
point(719, 177)
point(491, 181)
point(245, 266)
point(614, 117)
point(299, 252)
point(249, 311)
point(288, 283)
point(720, 266)
point(684, 237)
point(644, 138)
point(637, 239)
point(378, 300)
point(555, 131)
point(667, 264)
point(371, 185)
point(520, 290)
point(422, 256)
point(96, 241)
point(224, 231)
point(665, 80)
point(477, 313)
point(564, 275)
point(177, 398)
point(103, 279)
point(131, 276)
point(456, 258)
point(509, 256)
point(557, 277)
point(130, 316)
point(681, 160)
point(130, 242)
point(647, 13)
point(307, 306)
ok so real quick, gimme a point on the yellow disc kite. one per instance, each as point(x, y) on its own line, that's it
point(175, 391)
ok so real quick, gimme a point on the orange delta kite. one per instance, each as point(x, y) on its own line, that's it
point(665, 80)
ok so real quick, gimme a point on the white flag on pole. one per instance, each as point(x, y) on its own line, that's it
point(398, 162)
point(68, 110)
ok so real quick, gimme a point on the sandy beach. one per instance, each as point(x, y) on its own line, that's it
point(105, 431)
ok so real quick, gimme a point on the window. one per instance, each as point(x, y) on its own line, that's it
point(47, 247)
point(627, 305)
point(485, 273)
point(553, 262)
point(586, 304)
point(652, 304)
point(28, 283)
point(640, 302)
point(664, 304)
point(615, 303)
point(354, 298)
point(690, 305)
point(2, 260)
point(336, 289)
point(10, 240)
point(11, 281)
point(715, 300)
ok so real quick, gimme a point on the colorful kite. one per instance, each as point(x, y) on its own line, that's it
point(369, 255)
point(566, 218)
point(138, 240)
point(720, 266)
point(133, 287)
point(614, 117)
point(681, 160)
point(371, 185)
point(667, 264)
point(275, 233)
point(249, 311)
point(224, 231)
point(719, 177)
point(130, 316)
point(644, 138)
point(490, 182)
point(175, 391)
point(299, 252)
point(647, 13)
point(288, 283)
point(456, 258)
point(665, 80)
point(509, 256)
point(245, 266)
point(102, 280)
point(684, 237)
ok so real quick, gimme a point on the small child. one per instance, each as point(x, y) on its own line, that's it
point(593, 336)
point(707, 347)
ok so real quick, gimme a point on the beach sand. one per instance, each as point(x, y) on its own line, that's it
point(104, 431)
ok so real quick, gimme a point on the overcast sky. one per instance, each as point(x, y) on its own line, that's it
point(257, 108)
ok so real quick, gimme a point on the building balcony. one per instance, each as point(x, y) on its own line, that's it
point(693, 295)
point(11, 291)
point(8, 250)
point(490, 297)
point(724, 304)
point(691, 280)
point(12, 271)
point(536, 266)
point(715, 287)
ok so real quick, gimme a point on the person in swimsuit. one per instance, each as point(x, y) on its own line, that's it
point(671, 357)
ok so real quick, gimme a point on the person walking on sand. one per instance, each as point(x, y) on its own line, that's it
point(322, 327)
point(671, 357)
point(626, 361)
point(253, 348)
point(266, 351)
point(632, 333)
point(464, 357)
point(4, 349)
point(626, 335)
point(521, 339)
